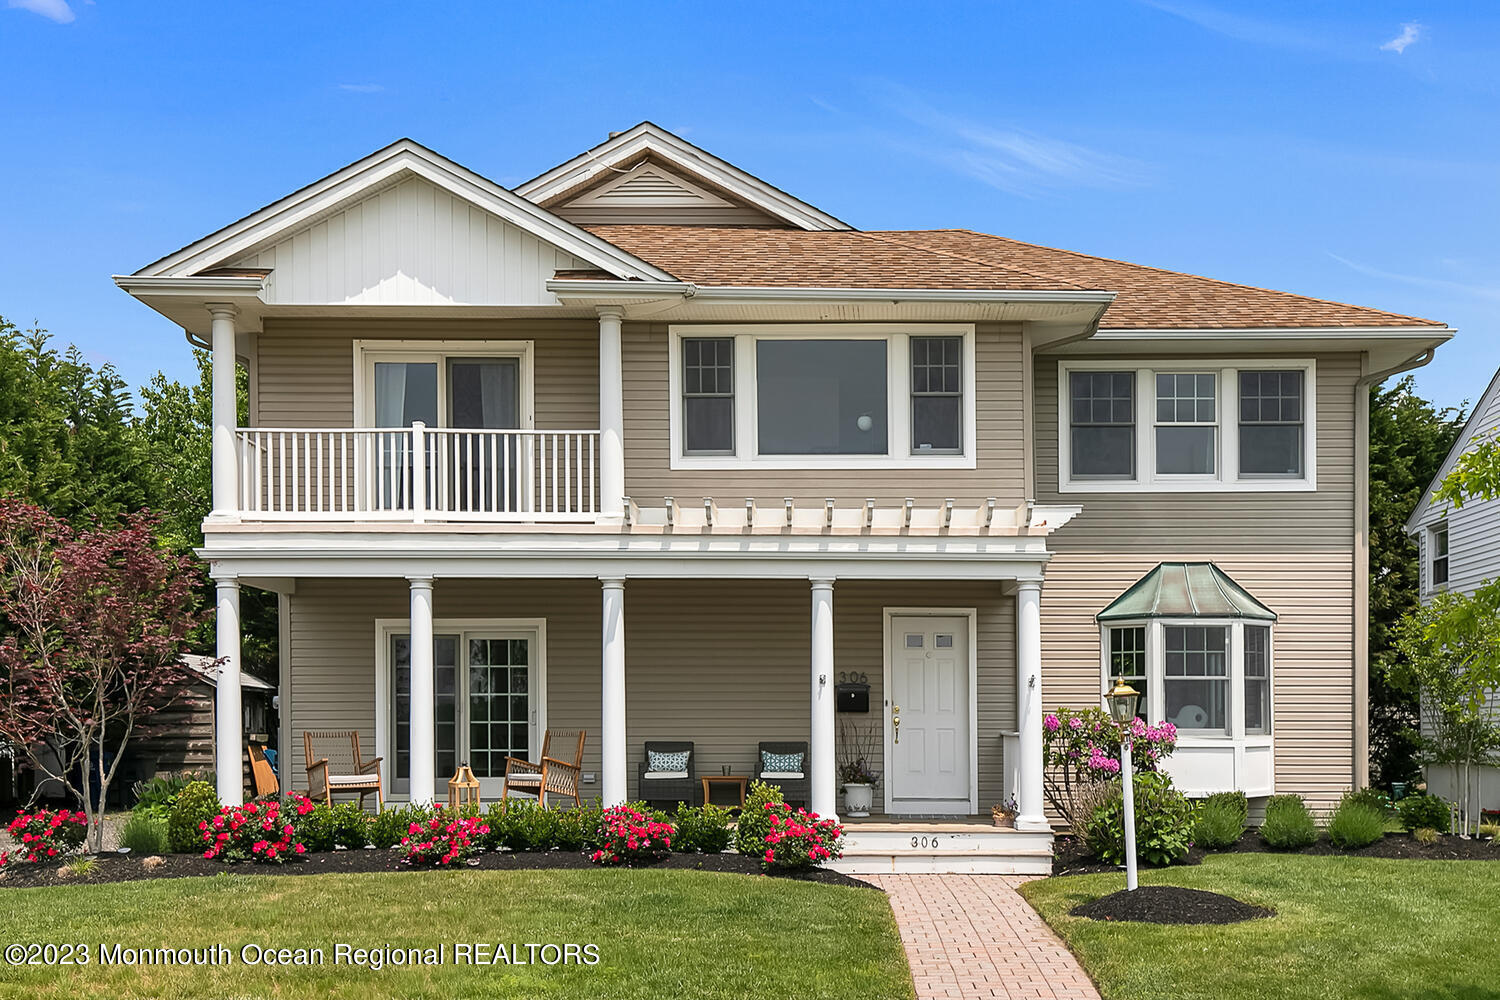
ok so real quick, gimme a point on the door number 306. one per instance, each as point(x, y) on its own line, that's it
point(925, 842)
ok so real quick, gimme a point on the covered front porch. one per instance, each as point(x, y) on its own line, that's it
point(433, 669)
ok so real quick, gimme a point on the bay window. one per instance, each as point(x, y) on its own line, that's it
point(1196, 678)
point(833, 395)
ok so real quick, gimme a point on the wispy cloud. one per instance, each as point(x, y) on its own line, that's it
point(1410, 32)
point(1478, 291)
point(362, 88)
point(1238, 26)
point(1009, 159)
point(55, 10)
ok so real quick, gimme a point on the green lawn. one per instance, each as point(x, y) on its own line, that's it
point(659, 934)
point(1344, 927)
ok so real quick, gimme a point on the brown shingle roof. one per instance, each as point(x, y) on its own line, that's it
point(1147, 297)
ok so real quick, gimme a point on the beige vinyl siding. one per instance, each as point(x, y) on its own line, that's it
point(307, 366)
point(999, 427)
point(723, 663)
point(1293, 551)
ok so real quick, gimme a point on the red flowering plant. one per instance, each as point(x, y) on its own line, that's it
point(47, 834)
point(1081, 748)
point(255, 831)
point(627, 834)
point(800, 839)
point(442, 840)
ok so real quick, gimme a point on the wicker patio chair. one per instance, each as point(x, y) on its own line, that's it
point(335, 764)
point(551, 775)
point(795, 785)
point(670, 787)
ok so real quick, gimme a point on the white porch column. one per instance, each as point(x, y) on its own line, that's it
point(1029, 706)
point(423, 740)
point(824, 792)
point(229, 773)
point(226, 487)
point(611, 415)
point(612, 697)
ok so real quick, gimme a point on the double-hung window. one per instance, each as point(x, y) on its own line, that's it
point(1187, 430)
point(830, 396)
point(1127, 662)
point(1196, 685)
point(1271, 425)
point(1103, 424)
point(1439, 543)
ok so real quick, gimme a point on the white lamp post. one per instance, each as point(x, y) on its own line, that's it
point(1122, 701)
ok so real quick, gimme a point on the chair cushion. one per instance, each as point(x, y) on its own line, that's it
point(665, 774)
point(781, 774)
point(658, 761)
point(525, 778)
point(783, 762)
point(351, 779)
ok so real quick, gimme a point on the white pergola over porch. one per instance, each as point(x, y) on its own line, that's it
point(1012, 563)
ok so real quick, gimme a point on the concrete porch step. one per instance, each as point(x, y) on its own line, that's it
point(958, 847)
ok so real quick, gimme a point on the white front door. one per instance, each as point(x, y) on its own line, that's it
point(929, 765)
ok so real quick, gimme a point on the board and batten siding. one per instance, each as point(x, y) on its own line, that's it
point(723, 663)
point(1293, 551)
point(306, 366)
point(1000, 430)
point(410, 244)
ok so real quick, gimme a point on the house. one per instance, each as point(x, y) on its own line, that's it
point(1459, 550)
point(649, 446)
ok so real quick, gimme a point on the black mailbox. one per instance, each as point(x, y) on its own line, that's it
point(853, 697)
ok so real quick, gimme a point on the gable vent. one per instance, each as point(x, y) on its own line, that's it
point(648, 186)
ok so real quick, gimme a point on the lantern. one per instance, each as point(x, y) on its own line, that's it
point(1122, 701)
point(463, 787)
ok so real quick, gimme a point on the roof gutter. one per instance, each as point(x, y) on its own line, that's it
point(758, 294)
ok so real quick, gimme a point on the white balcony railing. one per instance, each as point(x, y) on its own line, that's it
point(417, 473)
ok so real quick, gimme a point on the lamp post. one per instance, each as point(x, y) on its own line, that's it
point(1122, 701)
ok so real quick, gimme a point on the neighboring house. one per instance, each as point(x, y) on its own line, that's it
point(650, 447)
point(1459, 550)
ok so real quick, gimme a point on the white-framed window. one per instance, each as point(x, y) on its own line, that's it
point(835, 396)
point(1211, 678)
point(1186, 425)
point(1437, 542)
point(443, 383)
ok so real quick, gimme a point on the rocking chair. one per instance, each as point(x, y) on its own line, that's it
point(551, 774)
point(341, 768)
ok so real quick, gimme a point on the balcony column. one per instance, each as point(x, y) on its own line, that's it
point(611, 415)
point(423, 738)
point(823, 793)
point(226, 488)
point(229, 773)
point(612, 694)
point(1030, 815)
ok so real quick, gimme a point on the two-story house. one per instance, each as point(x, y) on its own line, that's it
point(650, 447)
point(1460, 550)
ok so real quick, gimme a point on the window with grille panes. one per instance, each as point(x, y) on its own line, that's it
point(937, 394)
point(708, 395)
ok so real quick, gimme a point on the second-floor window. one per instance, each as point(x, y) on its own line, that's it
point(828, 396)
point(1439, 574)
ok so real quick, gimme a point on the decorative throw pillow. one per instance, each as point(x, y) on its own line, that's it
point(782, 762)
point(657, 761)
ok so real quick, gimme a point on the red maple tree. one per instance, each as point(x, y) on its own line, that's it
point(93, 623)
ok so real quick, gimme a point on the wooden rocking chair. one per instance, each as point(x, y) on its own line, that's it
point(340, 768)
point(560, 777)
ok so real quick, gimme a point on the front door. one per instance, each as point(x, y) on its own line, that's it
point(483, 705)
point(929, 751)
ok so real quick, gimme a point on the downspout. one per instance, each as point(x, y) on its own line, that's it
point(1361, 775)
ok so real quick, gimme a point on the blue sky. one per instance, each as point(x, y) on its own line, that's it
point(1349, 151)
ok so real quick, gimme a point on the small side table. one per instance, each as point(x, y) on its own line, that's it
point(738, 781)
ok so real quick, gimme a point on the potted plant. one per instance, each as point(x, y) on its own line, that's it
point(1004, 813)
point(857, 745)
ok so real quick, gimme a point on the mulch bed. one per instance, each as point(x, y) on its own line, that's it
point(128, 868)
point(1070, 858)
point(1168, 904)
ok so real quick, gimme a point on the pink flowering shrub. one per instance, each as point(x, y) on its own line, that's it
point(1082, 749)
point(627, 834)
point(443, 839)
point(800, 839)
point(255, 831)
point(46, 834)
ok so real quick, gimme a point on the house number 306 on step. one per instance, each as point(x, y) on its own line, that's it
point(925, 842)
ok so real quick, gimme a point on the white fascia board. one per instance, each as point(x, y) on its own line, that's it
point(757, 294)
point(649, 138)
point(190, 287)
point(379, 170)
point(1353, 333)
point(1419, 519)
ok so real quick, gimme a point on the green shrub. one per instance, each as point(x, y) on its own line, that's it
point(326, 827)
point(1372, 797)
point(1423, 810)
point(1163, 822)
point(523, 825)
point(385, 829)
point(145, 832)
point(195, 804)
point(1220, 820)
point(1355, 823)
point(1425, 835)
point(351, 826)
point(754, 823)
point(156, 795)
point(702, 829)
point(1288, 825)
point(578, 828)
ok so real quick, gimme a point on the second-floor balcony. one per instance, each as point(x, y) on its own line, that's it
point(418, 474)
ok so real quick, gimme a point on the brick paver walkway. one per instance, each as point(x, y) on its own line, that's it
point(974, 936)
